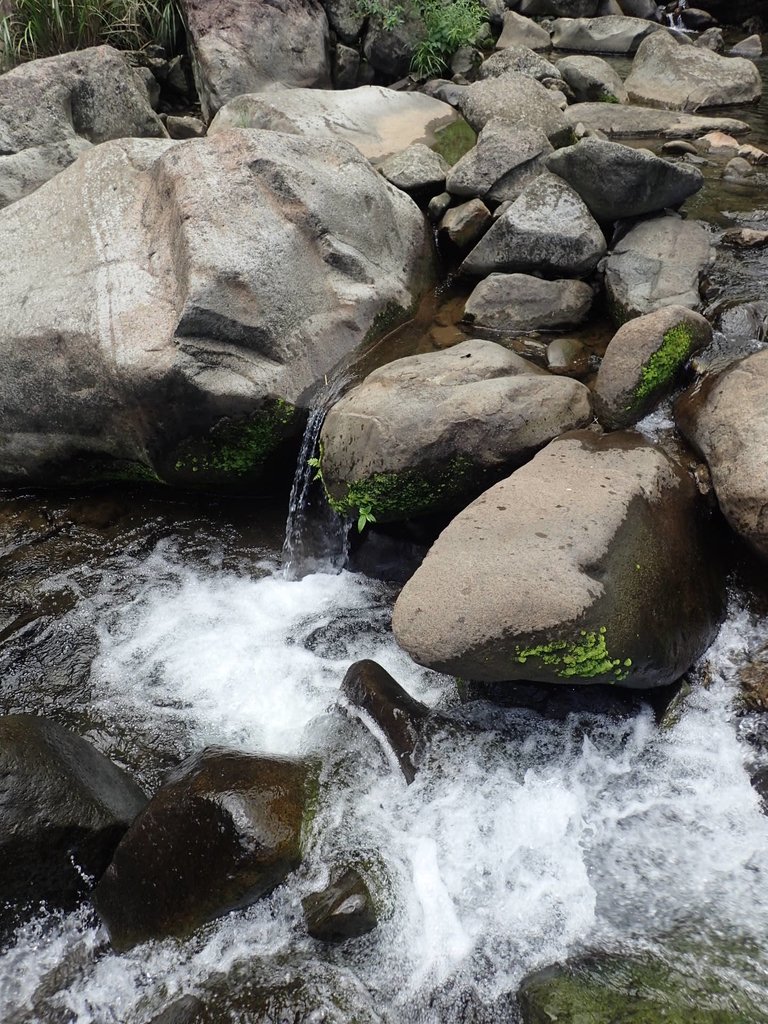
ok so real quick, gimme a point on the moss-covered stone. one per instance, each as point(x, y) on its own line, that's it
point(659, 372)
point(454, 141)
point(585, 658)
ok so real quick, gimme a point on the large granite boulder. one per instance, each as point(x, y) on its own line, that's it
point(643, 362)
point(592, 79)
point(516, 100)
point(522, 302)
point(166, 306)
point(547, 229)
point(726, 419)
point(63, 809)
point(627, 121)
point(618, 181)
point(659, 262)
point(52, 110)
point(224, 830)
point(504, 160)
point(589, 564)
point(426, 433)
point(611, 34)
point(668, 74)
point(379, 122)
point(518, 30)
point(243, 46)
point(520, 59)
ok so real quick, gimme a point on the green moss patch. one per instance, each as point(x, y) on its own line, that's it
point(454, 141)
point(586, 658)
point(661, 369)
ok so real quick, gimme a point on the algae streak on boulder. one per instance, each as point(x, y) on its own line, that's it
point(167, 324)
point(588, 565)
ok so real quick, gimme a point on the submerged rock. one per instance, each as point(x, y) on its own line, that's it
point(52, 110)
point(643, 361)
point(667, 74)
point(426, 433)
point(185, 332)
point(547, 228)
point(501, 164)
point(590, 564)
point(242, 46)
point(223, 831)
point(658, 263)
point(63, 808)
point(726, 419)
point(520, 302)
point(343, 910)
point(611, 34)
point(592, 80)
point(618, 181)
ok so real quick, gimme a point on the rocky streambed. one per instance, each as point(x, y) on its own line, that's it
point(479, 735)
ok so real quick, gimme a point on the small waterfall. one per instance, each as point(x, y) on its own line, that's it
point(675, 19)
point(315, 537)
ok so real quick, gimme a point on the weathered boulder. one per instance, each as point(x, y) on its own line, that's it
point(346, 66)
point(625, 121)
point(426, 433)
point(63, 809)
point(377, 121)
point(184, 332)
point(520, 59)
point(667, 74)
point(244, 46)
point(726, 419)
point(547, 228)
point(343, 910)
point(514, 99)
point(659, 262)
point(418, 170)
point(618, 181)
point(751, 48)
point(643, 362)
point(346, 18)
point(463, 225)
point(53, 109)
point(521, 31)
point(592, 80)
point(369, 688)
point(223, 831)
point(612, 34)
point(641, 9)
point(519, 302)
point(587, 565)
point(712, 39)
point(501, 164)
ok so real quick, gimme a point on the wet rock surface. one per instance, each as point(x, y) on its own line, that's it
point(585, 565)
point(63, 809)
point(223, 831)
point(343, 910)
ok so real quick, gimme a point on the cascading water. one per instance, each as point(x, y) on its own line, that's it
point(675, 18)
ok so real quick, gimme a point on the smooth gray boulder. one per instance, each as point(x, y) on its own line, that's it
point(547, 229)
point(377, 121)
point(520, 302)
point(520, 59)
point(426, 433)
point(516, 100)
point(726, 420)
point(418, 169)
point(518, 30)
point(619, 121)
point(612, 34)
point(184, 332)
point(618, 181)
point(504, 160)
point(245, 46)
point(54, 109)
point(751, 47)
point(589, 564)
point(666, 74)
point(643, 363)
point(659, 262)
point(63, 809)
point(592, 80)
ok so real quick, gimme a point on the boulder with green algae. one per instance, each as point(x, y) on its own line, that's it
point(623, 990)
point(426, 433)
point(590, 564)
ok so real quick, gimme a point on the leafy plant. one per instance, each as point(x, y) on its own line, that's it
point(315, 464)
point(390, 15)
point(449, 26)
point(364, 516)
point(43, 28)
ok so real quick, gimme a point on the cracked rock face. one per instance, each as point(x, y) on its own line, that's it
point(590, 564)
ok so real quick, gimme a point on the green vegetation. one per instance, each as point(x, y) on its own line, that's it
point(43, 28)
point(584, 659)
point(660, 370)
point(454, 141)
